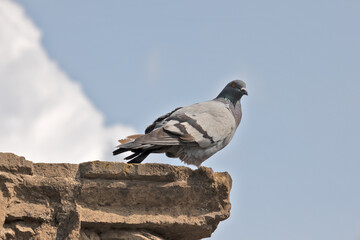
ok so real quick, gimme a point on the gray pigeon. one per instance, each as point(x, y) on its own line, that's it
point(192, 133)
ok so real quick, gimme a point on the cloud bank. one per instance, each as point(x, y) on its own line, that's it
point(45, 116)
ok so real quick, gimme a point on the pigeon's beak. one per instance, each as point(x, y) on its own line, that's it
point(243, 90)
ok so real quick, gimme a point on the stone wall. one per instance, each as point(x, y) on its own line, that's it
point(109, 200)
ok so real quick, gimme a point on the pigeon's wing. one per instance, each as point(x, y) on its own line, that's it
point(158, 137)
point(204, 123)
point(159, 121)
point(155, 135)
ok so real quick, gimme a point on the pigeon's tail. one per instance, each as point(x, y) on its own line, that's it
point(120, 150)
point(156, 141)
point(138, 157)
point(140, 151)
point(139, 154)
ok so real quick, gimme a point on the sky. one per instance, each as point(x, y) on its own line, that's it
point(75, 76)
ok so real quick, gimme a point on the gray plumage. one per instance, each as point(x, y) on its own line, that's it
point(192, 133)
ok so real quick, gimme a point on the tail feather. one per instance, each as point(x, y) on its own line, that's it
point(142, 145)
point(120, 150)
point(135, 154)
point(140, 157)
point(130, 138)
point(126, 147)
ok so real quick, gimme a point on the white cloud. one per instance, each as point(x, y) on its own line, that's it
point(44, 115)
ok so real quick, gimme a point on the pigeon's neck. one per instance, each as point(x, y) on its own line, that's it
point(237, 112)
point(229, 94)
point(235, 108)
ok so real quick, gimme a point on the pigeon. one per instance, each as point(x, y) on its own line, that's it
point(191, 133)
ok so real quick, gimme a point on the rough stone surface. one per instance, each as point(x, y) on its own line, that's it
point(109, 200)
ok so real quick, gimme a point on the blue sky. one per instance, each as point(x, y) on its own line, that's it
point(295, 157)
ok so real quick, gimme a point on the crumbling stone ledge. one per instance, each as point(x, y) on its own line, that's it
point(109, 200)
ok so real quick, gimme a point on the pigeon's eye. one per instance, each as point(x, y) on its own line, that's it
point(233, 85)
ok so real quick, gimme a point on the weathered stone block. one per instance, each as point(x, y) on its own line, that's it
point(109, 200)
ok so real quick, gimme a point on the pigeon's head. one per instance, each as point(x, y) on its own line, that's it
point(233, 91)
